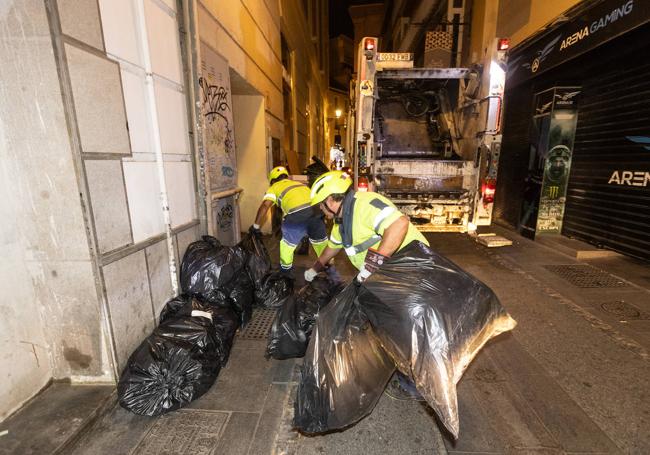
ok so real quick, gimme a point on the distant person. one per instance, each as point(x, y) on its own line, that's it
point(299, 217)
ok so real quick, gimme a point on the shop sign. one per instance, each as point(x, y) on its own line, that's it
point(632, 177)
point(579, 34)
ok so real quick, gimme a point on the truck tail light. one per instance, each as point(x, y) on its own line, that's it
point(362, 184)
point(488, 189)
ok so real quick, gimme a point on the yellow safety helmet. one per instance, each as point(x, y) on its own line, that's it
point(333, 182)
point(277, 172)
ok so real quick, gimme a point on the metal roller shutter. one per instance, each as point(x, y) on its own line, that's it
point(513, 165)
point(608, 199)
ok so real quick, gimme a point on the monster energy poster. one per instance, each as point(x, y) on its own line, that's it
point(553, 133)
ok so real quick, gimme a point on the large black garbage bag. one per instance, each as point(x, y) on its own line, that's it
point(274, 288)
point(315, 170)
point(241, 296)
point(224, 320)
point(292, 326)
point(179, 361)
point(258, 263)
point(207, 266)
point(345, 369)
point(431, 318)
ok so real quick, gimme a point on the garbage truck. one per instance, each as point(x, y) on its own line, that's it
point(428, 138)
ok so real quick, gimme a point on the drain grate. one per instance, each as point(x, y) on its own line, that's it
point(624, 310)
point(184, 432)
point(259, 325)
point(586, 276)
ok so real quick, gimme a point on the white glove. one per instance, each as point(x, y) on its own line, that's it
point(363, 275)
point(310, 274)
point(256, 226)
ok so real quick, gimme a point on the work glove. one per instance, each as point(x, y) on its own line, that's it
point(314, 270)
point(374, 260)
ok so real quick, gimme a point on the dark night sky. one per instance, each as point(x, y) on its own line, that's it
point(340, 22)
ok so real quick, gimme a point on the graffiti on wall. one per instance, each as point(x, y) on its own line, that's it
point(225, 220)
point(225, 217)
point(216, 107)
point(218, 131)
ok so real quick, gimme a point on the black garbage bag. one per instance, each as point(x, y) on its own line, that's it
point(258, 263)
point(315, 170)
point(345, 369)
point(292, 326)
point(315, 296)
point(241, 296)
point(275, 287)
point(184, 304)
point(207, 266)
point(286, 338)
point(224, 319)
point(431, 318)
point(179, 361)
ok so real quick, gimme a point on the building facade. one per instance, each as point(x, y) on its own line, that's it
point(129, 129)
point(574, 155)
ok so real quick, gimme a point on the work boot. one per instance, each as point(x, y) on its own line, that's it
point(287, 272)
point(402, 388)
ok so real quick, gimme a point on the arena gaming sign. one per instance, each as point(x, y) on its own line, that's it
point(579, 34)
point(633, 177)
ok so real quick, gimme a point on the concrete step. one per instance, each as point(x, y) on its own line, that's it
point(55, 418)
point(574, 248)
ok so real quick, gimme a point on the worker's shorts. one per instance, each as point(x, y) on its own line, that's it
point(297, 225)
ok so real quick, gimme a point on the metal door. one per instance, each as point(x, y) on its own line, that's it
point(218, 151)
point(608, 200)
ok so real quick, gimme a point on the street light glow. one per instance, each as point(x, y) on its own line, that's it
point(338, 113)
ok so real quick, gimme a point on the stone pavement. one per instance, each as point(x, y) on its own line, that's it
point(571, 378)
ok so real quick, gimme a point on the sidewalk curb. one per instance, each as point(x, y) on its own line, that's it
point(572, 258)
point(102, 410)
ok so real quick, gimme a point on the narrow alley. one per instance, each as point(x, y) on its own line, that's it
point(569, 379)
point(304, 227)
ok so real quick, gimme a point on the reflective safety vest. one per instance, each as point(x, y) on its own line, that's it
point(365, 217)
point(289, 195)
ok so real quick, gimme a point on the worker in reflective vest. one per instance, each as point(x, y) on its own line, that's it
point(300, 218)
point(367, 225)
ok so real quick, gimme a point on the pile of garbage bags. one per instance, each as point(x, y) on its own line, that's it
point(270, 287)
point(292, 326)
point(420, 314)
point(182, 358)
